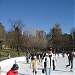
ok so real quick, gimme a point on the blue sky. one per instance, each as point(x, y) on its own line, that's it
point(39, 14)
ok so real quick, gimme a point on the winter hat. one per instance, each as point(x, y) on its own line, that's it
point(49, 49)
point(34, 56)
point(15, 67)
point(46, 53)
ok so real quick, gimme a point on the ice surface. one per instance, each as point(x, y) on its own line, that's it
point(24, 68)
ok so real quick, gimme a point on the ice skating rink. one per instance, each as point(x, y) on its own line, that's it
point(24, 68)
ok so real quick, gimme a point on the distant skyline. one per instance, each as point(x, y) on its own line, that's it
point(39, 14)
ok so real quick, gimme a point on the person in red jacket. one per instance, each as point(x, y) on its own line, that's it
point(13, 70)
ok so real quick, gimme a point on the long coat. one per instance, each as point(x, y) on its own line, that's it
point(34, 64)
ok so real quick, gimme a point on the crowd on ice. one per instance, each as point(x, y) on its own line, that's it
point(47, 61)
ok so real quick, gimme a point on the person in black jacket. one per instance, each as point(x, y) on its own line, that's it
point(70, 59)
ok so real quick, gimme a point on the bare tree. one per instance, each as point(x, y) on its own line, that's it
point(16, 34)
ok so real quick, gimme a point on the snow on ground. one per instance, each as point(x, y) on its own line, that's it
point(24, 68)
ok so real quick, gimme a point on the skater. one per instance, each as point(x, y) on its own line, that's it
point(44, 65)
point(34, 64)
point(54, 60)
point(70, 60)
point(48, 62)
point(13, 70)
point(27, 57)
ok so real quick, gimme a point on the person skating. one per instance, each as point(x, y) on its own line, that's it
point(70, 60)
point(27, 57)
point(49, 62)
point(54, 60)
point(13, 70)
point(34, 65)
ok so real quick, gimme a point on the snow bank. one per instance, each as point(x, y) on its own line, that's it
point(11, 61)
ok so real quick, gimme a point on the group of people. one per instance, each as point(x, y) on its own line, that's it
point(48, 63)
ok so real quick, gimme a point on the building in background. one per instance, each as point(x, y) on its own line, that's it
point(40, 34)
point(2, 35)
point(3, 41)
point(2, 32)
